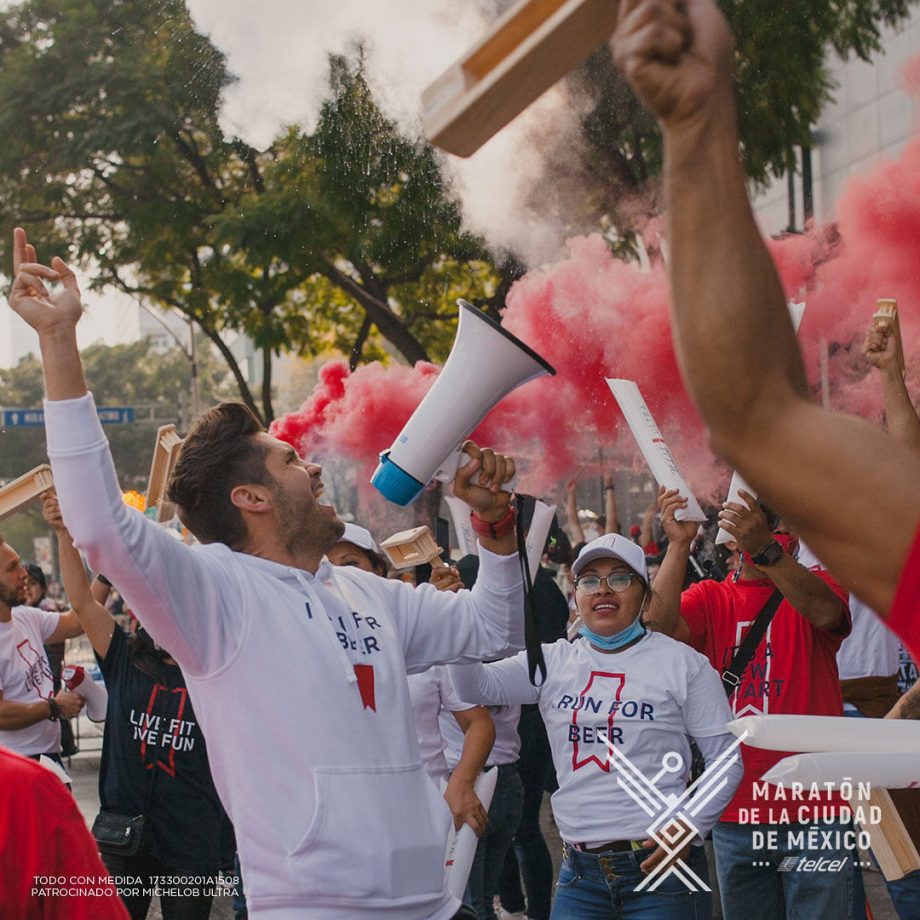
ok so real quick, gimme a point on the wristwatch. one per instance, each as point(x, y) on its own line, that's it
point(769, 555)
point(55, 710)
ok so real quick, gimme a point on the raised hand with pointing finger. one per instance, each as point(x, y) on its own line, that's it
point(30, 296)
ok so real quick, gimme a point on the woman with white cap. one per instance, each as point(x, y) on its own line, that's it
point(358, 548)
point(621, 704)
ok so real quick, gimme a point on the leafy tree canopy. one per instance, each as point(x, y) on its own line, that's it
point(341, 237)
point(782, 85)
point(114, 150)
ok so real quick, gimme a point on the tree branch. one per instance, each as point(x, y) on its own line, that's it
point(411, 275)
point(206, 328)
point(390, 325)
point(249, 157)
point(354, 358)
point(196, 161)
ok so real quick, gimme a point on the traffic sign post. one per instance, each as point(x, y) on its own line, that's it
point(35, 418)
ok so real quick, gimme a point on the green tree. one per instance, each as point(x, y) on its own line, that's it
point(125, 375)
point(365, 215)
point(136, 375)
point(113, 147)
point(782, 85)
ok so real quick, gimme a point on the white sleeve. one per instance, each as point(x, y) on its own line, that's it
point(706, 713)
point(449, 698)
point(499, 683)
point(443, 627)
point(174, 591)
point(706, 710)
point(726, 768)
point(46, 621)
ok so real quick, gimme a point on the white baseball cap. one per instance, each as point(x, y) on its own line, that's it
point(612, 545)
point(359, 537)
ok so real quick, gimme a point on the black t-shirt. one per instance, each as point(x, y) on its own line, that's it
point(155, 763)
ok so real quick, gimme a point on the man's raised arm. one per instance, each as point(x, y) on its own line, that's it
point(845, 487)
point(157, 575)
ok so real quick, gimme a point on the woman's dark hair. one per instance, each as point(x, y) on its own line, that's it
point(144, 654)
point(219, 454)
point(379, 563)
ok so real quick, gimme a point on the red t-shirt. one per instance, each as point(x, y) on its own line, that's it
point(50, 866)
point(904, 618)
point(793, 672)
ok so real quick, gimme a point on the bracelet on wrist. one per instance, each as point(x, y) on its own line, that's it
point(103, 580)
point(494, 530)
point(54, 709)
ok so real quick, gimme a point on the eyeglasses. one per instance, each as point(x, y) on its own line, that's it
point(618, 582)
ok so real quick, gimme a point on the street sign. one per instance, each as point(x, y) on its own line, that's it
point(35, 418)
point(23, 418)
point(115, 415)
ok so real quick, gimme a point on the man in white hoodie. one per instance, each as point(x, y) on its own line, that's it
point(297, 671)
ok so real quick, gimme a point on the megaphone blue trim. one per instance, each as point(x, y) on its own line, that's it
point(481, 369)
point(395, 484)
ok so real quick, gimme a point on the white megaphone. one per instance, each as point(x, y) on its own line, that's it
point(96, 697)
point(485, 363)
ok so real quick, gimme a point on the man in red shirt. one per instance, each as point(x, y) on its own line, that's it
point(50, 867)
point(849, 490)
point(793, 672)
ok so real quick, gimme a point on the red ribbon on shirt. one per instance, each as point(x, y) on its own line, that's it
point(365, 675)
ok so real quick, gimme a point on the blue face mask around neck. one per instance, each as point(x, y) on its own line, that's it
point(612, 643)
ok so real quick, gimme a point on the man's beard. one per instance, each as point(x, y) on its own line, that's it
point(302, 524)
point(12, 597)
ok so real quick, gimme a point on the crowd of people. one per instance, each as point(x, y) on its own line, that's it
point(285, 708)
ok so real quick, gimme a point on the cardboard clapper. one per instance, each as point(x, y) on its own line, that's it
point(891, 844)
point(886, 311)
point(526, 51)
point(17, 494)
point(165, 455)
point(410, 548)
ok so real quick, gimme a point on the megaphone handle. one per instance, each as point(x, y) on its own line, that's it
point(463, 458)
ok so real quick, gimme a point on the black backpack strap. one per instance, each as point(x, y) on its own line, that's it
point(731, 676)
point(535, 660)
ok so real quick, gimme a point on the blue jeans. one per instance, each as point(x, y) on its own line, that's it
point(756, 892)
point(904, 893)
point(530, 858)
point(493, 846)
point(602, 887)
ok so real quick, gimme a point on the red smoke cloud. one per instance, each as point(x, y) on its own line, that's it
point(592, 316)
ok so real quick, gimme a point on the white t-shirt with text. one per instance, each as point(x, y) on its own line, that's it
point(649, 700)
point(25, 677)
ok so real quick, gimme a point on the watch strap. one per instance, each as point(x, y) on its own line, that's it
point(769, 555)
point(494, 530)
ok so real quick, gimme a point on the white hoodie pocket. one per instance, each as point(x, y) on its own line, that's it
point(378, 836)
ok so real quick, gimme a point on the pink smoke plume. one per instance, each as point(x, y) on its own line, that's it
point(592, 316)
